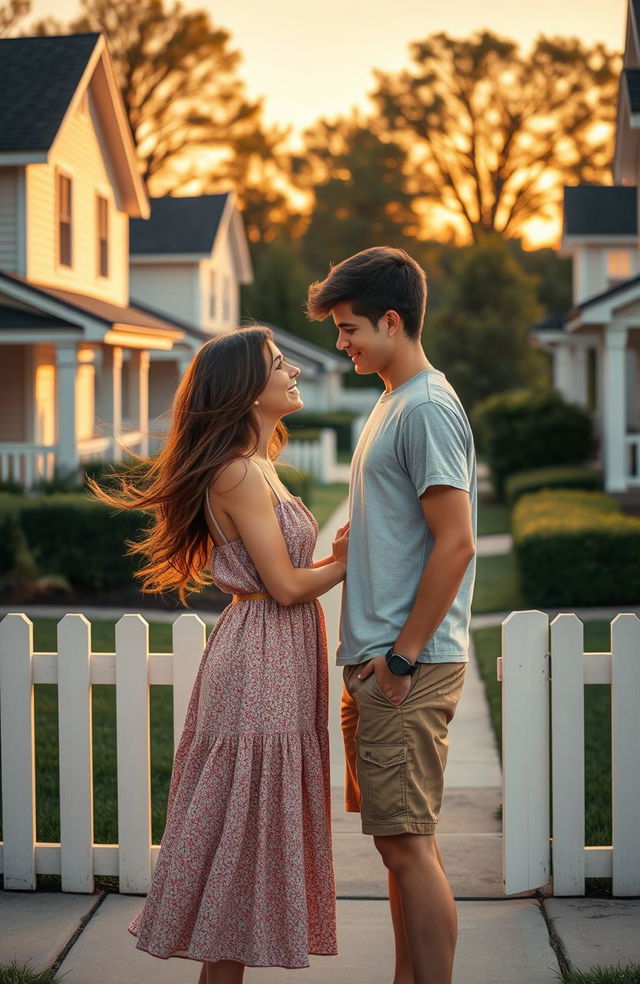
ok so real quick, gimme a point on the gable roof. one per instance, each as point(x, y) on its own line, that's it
point(178, 225)
point(43, 79)
point(39, 78)
point(636, 14)
point(600, 210)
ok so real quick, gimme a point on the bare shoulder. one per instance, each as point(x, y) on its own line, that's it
point(240, 479)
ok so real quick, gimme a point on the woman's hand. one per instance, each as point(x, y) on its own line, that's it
point(340, 545)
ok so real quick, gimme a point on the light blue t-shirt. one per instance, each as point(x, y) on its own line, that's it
point(416, 436)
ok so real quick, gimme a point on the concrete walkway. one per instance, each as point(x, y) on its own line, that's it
point(502, 941)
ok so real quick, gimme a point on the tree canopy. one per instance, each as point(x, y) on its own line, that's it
point(12, 12)
point(492, 134)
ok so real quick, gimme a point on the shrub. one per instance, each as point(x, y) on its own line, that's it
point(341, 423)
point(576, 548)
point(11, 538)
point(530, 429)
point(298, 482)
point(559, 477)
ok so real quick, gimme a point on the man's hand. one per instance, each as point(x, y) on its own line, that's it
point(395, 688)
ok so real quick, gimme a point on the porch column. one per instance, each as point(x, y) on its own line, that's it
point(614, 408)
point(563, 371)
point(110, 397)
point(67, 457)
point(139, 395)
point(580, 375)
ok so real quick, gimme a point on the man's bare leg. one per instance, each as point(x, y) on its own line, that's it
point(404, 968)
point(427, 906)
point(221, 972)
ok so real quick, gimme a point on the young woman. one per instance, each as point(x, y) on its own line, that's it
point(244, 875)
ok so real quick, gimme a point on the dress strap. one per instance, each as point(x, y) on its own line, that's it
point(271, 485)
point(213, 518)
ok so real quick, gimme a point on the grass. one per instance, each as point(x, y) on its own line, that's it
point(604, 975)
point(597, 728)
point(493, 516)
point(497, 585)
point(326, 498)
point(15, 973)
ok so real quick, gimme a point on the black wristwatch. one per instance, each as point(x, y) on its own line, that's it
point(399, 665)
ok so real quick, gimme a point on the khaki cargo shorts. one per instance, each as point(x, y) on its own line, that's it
point(396, 756)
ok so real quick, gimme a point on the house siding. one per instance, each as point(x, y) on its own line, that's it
point(170, 288)
point(9, 219)
point(79, 154)
point(222, 263)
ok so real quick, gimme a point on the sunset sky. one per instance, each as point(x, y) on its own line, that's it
point(315, 59)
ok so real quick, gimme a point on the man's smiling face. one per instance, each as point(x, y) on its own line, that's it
point(369, 347)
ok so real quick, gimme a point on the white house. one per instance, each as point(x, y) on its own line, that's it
point(74, 353)
point(596, 346)
point(188, 261)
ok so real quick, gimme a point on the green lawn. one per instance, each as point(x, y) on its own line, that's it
point(497, 585)
point(604, 975)
point(597, 725)
point(326, 498)
point(493, 517)
point(15, 973)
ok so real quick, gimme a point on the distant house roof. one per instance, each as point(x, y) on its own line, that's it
point(553, 323)
point(39, 78)
point(178, 225)
point(600, 210)
point(604, 295)
point(16, 318)
point(636, 12)
point(104, 311)
point(632, 78)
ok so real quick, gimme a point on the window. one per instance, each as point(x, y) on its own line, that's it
point(226, 301)
point(103, 235)
point(212, 295)
point(64, 220)
point(619, 264)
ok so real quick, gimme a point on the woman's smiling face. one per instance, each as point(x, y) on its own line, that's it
point(280, 396)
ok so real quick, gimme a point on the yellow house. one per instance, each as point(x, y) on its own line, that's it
point(74, 352)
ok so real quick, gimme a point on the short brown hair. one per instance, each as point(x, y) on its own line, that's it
point(375, 280)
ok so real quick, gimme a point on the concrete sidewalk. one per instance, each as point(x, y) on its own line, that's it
point(502, 941)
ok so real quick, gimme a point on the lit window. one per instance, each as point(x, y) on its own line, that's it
point(64, 220)
point(103, 235)
point(619, 264)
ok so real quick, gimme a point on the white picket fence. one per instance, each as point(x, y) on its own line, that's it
point(319, 457)
point(543, 753)
point(76, 669)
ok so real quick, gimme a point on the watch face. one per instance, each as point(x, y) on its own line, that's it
point(399, 665)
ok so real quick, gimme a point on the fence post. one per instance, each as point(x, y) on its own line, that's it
point(328, 454)
point(18, 752)
point(567, 759)
point(189, 632)
point(134, 755)
point(625, 759)
point(525, 751)
point(76, 766)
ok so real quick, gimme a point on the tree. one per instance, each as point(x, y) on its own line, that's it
point(492, 134)
point(193, 125)
point(11, 13)
point(479, 337)
point(360, 197)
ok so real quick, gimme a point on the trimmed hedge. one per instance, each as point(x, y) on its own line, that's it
point(558, 477)
point(528, 429)
point(11, 537)
point(576, 548)
point(298, 482)
point(340, 422)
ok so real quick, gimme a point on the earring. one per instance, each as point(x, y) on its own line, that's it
point(257, 402)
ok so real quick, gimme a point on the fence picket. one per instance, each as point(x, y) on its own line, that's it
point(134, 753)
point(567, 736)
point(625, 760)
point(189, 637)
point(18, 752)
point(75, 742)
point(525, 763)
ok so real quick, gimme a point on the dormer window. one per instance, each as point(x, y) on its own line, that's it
point(102, 223)
point(619, 265)
point(64, 220)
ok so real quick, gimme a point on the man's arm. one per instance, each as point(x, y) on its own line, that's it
point(447, 513)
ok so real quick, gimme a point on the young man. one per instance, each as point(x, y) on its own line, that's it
point(406, 602)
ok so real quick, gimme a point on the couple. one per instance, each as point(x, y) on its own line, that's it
point(245, 873)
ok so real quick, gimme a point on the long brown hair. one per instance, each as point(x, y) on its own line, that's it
point(212, 422)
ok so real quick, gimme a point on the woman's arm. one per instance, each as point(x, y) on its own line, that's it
point(243, 493)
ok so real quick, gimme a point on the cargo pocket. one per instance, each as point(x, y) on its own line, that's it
point(382, 780)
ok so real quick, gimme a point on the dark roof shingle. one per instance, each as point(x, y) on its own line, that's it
point(632, 78)
point(178, 225)
point(38, 77)
point(600, 210)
